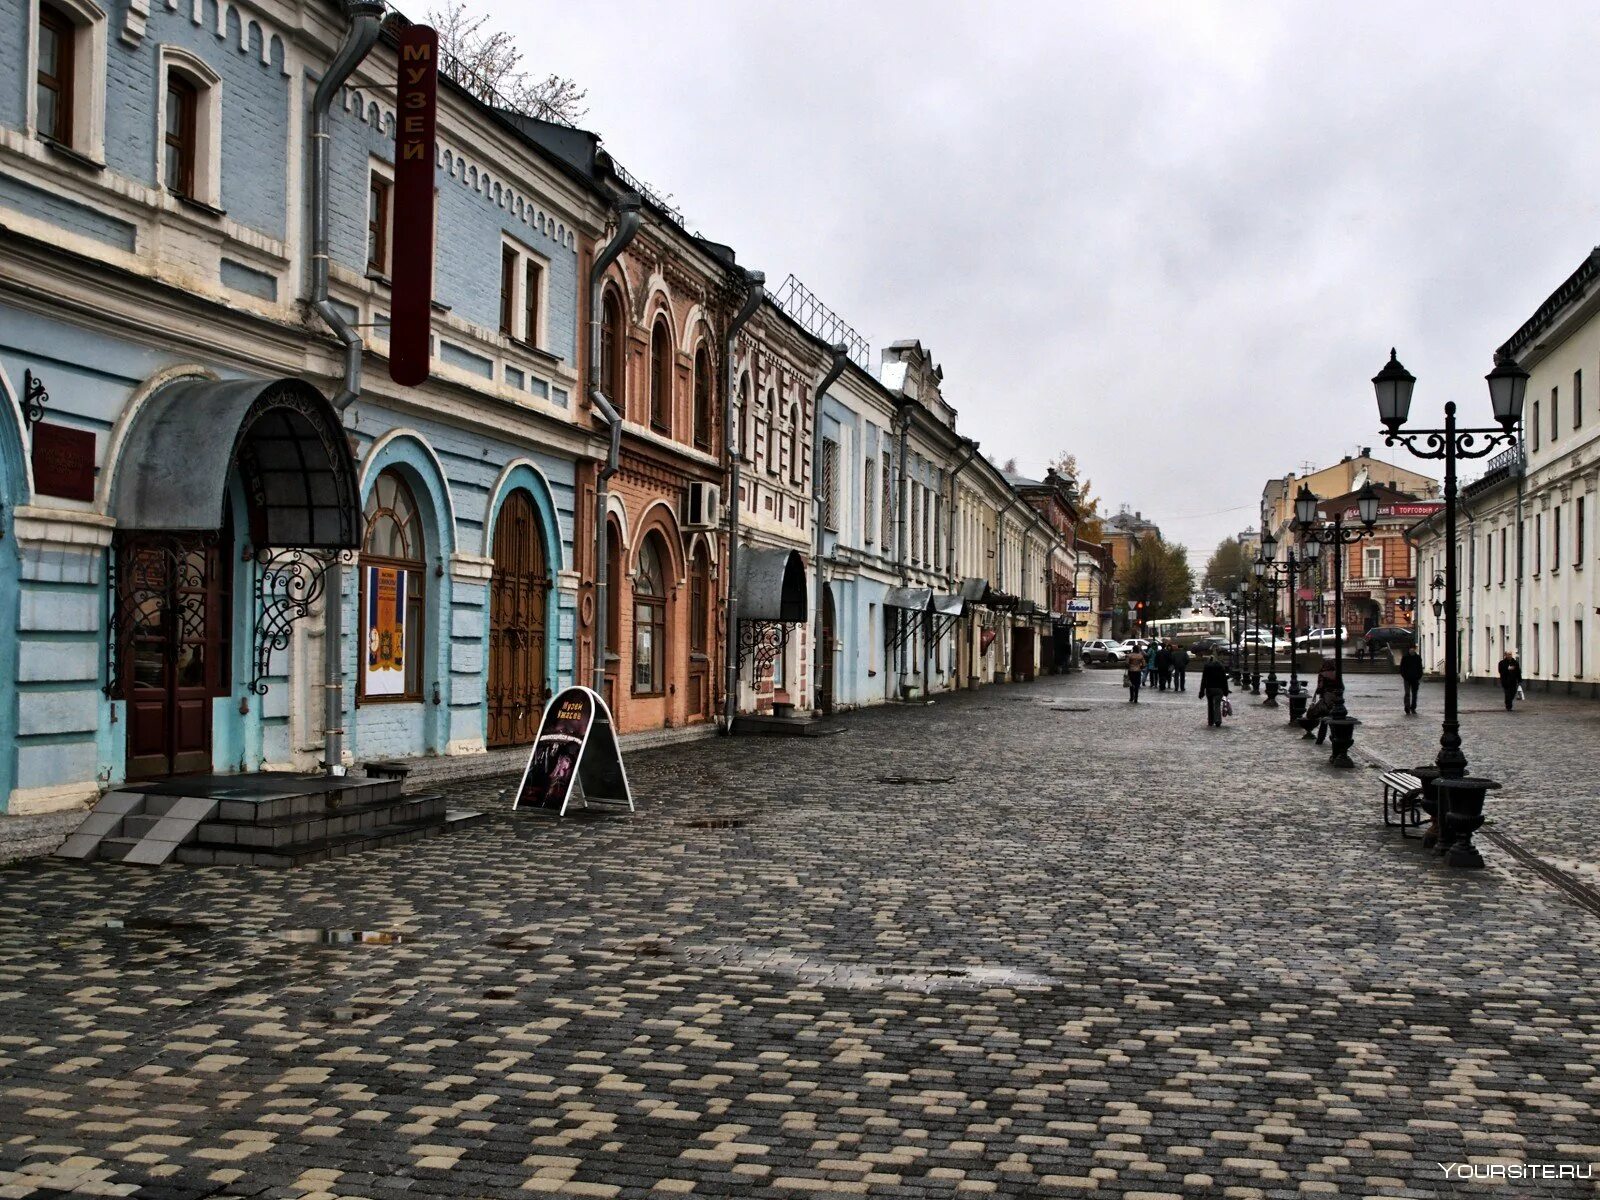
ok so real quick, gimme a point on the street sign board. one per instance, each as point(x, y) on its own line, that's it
point(411, 292)
point(577, 745)
point(1082, 605)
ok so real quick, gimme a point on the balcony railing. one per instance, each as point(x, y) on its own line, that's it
point(1508, 464)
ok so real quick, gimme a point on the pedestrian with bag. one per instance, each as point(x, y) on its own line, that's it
point(1180, 668)
point(1136, 668)
point(1510, 677)
point(1411, 677)
point(1214, 687)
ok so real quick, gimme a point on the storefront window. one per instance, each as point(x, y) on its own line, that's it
point(391, 593)
point(649, 621)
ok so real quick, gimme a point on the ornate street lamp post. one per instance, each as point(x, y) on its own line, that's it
point(1336, 536)
point(1462, 811)
point(1278, 577)
point(1236, 623)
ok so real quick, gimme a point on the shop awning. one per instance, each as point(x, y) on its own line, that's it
point(288, 442)
point(973, 589)
point(949, 605)
point(994, 598)
point(915, 599)
point(772, 586)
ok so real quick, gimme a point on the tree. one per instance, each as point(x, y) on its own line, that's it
point(1090, 528)
point(1157, 576)
point(1228, 567)
point(493, 63)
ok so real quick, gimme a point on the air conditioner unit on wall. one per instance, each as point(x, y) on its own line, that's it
point(702, 506)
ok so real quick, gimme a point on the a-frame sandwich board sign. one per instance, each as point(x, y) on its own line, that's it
point(577, 744)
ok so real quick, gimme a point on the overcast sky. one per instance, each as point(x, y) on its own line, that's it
point(1175, 239)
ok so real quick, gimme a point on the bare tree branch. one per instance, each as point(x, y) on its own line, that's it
point(493, 59)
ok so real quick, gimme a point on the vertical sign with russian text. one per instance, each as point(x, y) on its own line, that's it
point(411, 315)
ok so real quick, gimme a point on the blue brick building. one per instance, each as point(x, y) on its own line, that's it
point(193, 488)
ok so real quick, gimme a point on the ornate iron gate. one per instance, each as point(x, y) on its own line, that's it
point(518, 595)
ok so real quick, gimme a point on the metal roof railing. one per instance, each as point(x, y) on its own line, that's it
point(808, 311)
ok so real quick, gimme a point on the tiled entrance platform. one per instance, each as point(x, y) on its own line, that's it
point(275, 819)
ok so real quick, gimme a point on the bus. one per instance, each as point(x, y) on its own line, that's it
point(1186, 631)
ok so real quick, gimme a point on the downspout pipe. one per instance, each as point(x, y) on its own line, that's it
point(841, 359)
point(359, 37)
point(755, 283)
point(628, 219)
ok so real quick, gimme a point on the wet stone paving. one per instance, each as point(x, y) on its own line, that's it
point(1070, 947)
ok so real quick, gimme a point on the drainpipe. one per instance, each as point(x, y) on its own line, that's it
point(359, 38)
point(841, 359)
point(1000, 570)
point(754, 291)
point(950, 558)
point(627, 225)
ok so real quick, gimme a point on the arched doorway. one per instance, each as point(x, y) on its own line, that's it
point(825, 653)
point(519, 593)
point(699, 635)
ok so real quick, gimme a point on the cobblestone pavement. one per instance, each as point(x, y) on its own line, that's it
point(1081, 949)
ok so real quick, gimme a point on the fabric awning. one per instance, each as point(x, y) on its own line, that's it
point(912, 598)
point(949, 605)
point(772, 586)
point(289, 445)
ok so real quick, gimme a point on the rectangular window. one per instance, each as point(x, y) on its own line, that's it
point(1503, 540)
point(57, 41)
point(1555, 409)
point(1577, 649)
point(1577, 399)
point(916, 522)
point(378, 224)
point(886, 509)
point(1555, 650)
point(1555, 539)
point(927, 526)
point(872, 639)
point(508, 289)
point(1578, 533)
point(532, 281)
point(869, 500)
point(1538, 542)
point(828, 488)
point(938, 531)
point(1488, 563)
point(1535, 649)
point(179, 142)
point(1533, 425)
point(1374, 562)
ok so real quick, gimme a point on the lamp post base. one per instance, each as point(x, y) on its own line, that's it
point(1297, 705)
point(1342, 733)
point(1273, 688)
point(1460, 816)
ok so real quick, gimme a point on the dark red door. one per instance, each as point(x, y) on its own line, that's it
point(173, 603)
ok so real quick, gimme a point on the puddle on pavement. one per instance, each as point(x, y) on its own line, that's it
point(825, 972)
point(716, 823)
point(342, 937)
point(915, 780)
point(158, 925)
point(1066, 708)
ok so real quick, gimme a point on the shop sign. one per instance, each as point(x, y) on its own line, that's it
point(1082, 605)
point(577, 745)
point(63, 461)
point(411, 295)
point(384, 632)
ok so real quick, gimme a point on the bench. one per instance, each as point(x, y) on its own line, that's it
point(1402, 800)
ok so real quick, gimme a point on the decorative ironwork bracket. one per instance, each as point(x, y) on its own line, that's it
point(289, 582)
point(34, 398)
point(1437, 442)
point(762, 642)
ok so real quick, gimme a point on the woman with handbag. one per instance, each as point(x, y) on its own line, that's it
point(1136, 665)
point(1214, 687)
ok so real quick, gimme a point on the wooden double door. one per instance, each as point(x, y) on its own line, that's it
point(174, 599)
point(519, 594)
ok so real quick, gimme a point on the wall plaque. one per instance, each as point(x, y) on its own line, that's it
point(63, 461)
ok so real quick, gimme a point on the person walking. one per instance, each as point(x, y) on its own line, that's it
point(1180, 668)
point(1411, 677)
point(1510, 677)
point(1164, 666)
point(1149, 661)
point(1136, 669)
point(1214, 686)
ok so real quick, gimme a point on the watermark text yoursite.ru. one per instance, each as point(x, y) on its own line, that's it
point(1517, 1172)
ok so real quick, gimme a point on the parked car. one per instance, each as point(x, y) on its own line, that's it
point(1388, 637)
point(1264, 639)
point(1208, 647)
point(1105, 651)
point(1321, 638)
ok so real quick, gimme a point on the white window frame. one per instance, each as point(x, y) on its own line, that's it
point(88, 77)
point(207, 122)
point(519, 286)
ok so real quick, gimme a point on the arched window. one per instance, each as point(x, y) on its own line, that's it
point(702, 399)
point(392, 582)
point(773, 433)
point(661, 377)
point(611, 350)
point(613, 613)
point(699, 601)
point(746, 418)
point(650, 620)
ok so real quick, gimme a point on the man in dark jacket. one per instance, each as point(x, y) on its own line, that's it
point(1180, 668)
point(1510, 676)
point(1411, 676)
point(1214, 686)
point(1163, 666)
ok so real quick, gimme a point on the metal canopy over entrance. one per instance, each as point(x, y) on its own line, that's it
point(947, 610)
point(286, 441)
point(908, 601)
point(772, 598)
point(170, 569)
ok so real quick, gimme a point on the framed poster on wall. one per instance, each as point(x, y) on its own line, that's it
point(383, 632)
